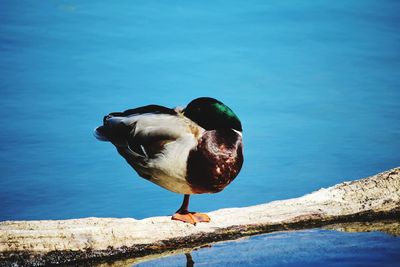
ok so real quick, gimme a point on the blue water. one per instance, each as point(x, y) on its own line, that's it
point(303, 248)
point(315, 84)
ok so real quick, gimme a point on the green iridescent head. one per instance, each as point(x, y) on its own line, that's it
point(212, 114)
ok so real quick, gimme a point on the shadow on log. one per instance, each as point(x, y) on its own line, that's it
point(93, 240)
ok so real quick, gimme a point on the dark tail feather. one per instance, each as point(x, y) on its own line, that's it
point(114, 130)
point(99, 133)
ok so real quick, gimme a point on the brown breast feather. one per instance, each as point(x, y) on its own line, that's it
point(215, 162)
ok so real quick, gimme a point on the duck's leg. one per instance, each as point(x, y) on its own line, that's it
point(184, 215)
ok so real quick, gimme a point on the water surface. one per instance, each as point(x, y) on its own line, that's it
point(301, 248)
point(365, 244)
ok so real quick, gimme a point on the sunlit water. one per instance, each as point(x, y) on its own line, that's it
point(315, 84)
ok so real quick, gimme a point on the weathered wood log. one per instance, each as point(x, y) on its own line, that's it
point(96, 239)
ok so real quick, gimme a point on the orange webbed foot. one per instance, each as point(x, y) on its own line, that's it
point(191, 217)
point(201, 217)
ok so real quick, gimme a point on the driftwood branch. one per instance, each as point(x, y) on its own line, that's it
point(96, 239)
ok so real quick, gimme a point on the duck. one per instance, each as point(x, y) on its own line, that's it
point(193, 150)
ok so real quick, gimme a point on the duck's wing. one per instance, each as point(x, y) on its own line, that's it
point(150, 133)
point(149, 109)
point(117, 125)
point(155, 141)
point(143, 132)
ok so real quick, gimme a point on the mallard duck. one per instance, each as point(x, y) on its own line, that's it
point(195, 150)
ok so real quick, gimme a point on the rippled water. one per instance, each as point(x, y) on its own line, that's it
point(315, 84)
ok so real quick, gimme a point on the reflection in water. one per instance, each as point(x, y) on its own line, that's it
point(315, 247)
point(189, 260)
point(139, 260)
point(391, 227)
